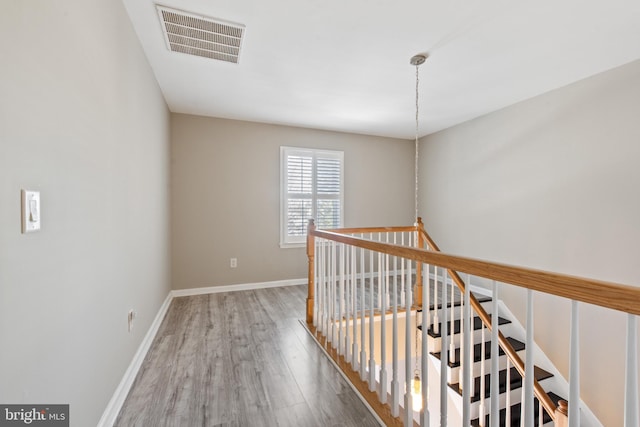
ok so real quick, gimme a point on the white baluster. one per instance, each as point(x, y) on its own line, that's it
point(408, 401)
point(540, 414)
point(631, 379)
point(410, 271)
point(482, 410)
point(472, 354)
point(395, 385)
point(494, 415)
point(354, 309)
point(380, 283)
point(386, 288)
point(348, 296)
point(383, 279)
point(329, 316)
point(424, 416)
point(327, 289)
point(334, 279)
point(444, 358)
point(427, 280)
point(320, 263)
point(528, 403)
point(395, 271)
point(467, 363)
point(325, 282)
point(380, 275)
point(436, 303)
point(316, 282)
point(522, 417)
point(403, 284)
point(341, 300)
point(461, 339)
point(507, 416)
point(372, 360)
point(363, 316)
point(574, 367)
point(452, 344)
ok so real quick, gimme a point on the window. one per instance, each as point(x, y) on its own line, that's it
point(311, 187)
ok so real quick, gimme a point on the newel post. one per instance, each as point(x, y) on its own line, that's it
point(311, 246)
point(420, 245)
point(562, 414)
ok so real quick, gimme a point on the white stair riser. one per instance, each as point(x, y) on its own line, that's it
point(435, 343)
point(456, 313)
point(453, 374)
point(516, 397)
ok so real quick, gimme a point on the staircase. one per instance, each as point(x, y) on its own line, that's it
point(364, 287)
point(510, 381)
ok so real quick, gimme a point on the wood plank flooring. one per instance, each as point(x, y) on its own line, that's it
point(240, 359)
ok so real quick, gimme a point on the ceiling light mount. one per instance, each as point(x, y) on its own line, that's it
point(418, 59)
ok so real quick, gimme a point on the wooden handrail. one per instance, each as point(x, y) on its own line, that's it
point(604, 294)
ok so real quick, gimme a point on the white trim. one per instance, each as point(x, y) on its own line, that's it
point(240, 287)
point(117, 400)
point(293, 245)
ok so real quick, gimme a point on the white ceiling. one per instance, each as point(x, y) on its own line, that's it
point(344, 64)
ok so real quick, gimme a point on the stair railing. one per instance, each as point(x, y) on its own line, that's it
point(352, 290)
point(490, 322)
point(357, 276)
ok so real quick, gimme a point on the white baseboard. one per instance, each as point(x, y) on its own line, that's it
point(117, 400)
point(239, 287)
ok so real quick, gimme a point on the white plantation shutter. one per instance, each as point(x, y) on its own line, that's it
point(312, 187)
point(328, 192)
point(299, 193)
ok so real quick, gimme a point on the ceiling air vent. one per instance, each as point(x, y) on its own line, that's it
point(201, 36)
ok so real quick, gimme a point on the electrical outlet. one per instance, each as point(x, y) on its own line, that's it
point(130, 318)
point(233, 263)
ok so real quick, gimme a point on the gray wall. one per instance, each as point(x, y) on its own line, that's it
point(225, 195)
point(550, 183)
point(82, 121)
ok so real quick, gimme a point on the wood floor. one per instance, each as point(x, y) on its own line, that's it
point(240, 359)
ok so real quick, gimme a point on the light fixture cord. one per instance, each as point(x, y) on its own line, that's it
point(417, 370)
point(416, 143)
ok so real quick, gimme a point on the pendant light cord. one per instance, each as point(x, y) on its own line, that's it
point(416, 143)
point(416, 191)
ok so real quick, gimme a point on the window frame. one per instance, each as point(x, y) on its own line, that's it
point(287, 241)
